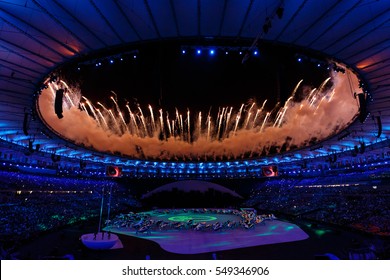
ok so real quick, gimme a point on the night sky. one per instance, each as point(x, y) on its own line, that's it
point(165, 78)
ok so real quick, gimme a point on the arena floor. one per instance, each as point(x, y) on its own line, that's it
point(190, 241)
point(322, 239)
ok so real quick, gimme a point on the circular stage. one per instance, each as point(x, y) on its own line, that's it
point(101, 241)
point(195, 215)
point(196, 218)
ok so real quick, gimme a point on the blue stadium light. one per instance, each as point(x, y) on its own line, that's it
point(135, 56)
point(212, 52)
point(183, 51)
point(255, 53)
point(240, 52)
point(299, 59)
point(198, 52)
point(226, 52)
point(111, 61)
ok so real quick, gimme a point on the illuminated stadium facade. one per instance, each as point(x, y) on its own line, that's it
point(195, 105)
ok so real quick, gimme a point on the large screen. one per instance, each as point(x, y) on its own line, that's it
point(269, 171)
point(113, 171)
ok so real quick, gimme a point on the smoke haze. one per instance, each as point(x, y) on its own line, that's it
point(317, 115)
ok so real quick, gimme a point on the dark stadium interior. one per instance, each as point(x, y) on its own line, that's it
point(176, 99)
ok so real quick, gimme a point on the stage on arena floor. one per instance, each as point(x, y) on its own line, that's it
point(203, 236)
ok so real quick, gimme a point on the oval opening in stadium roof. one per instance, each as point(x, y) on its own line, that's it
point(176, 101)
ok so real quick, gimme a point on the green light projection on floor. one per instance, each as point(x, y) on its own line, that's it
point(219, 244)
point(273, 227)
point(265, 234)
point(57, 217)
point(42, 227)
point(195, 219)
point(321, 232)
point(289, 228)
point(155, 236)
